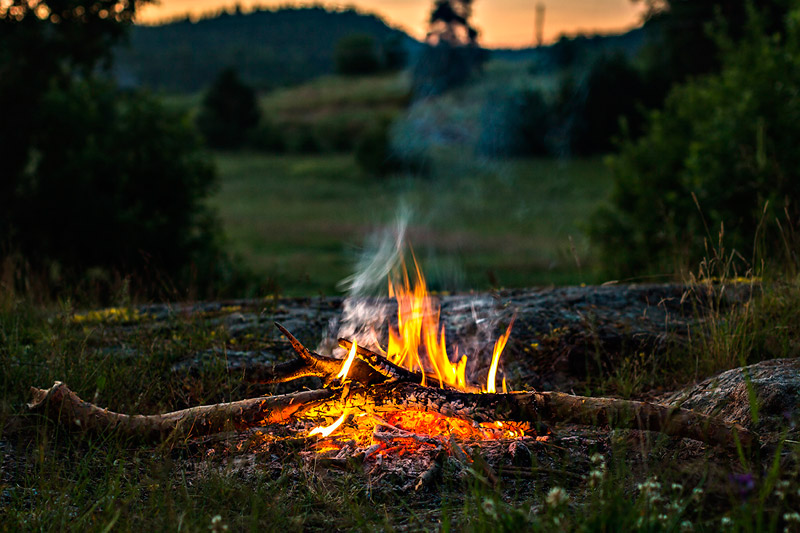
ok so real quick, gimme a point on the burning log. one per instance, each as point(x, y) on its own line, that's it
point(375, 386)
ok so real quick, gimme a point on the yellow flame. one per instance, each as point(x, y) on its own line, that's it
point(348, 362)
point(418, 342)
point(498, 349)
point(323, 431)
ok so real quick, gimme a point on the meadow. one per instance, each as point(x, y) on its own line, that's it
point(301, 221)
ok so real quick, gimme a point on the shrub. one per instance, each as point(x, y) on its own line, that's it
point(229, 112)
point(731, 140)
point(116, 183)
point(373, 149)
point(356, 54)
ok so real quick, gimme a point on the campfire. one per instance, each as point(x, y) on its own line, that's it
point(414, 395)
point(417, 350)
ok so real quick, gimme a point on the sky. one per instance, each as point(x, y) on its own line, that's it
point(502, 23)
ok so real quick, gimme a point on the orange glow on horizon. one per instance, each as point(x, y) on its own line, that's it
point(502, 23)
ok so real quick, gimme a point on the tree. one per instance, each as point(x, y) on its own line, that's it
point(356, 54)
point(229, 111)
point(94, 178)
point(42, 45)
point(452, 53)
point(395, 55)
point(687, 46)
point(727, 139)
point(449, 23)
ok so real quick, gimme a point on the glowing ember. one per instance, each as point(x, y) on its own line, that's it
point(418, 342)
point(436, 425)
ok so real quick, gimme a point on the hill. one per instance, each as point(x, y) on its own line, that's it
point(269, 48)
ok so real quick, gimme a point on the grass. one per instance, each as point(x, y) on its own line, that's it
point(55, 480)
point(338, 94)
point(301, 220)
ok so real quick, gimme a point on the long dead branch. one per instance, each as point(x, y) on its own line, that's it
point(61, 404)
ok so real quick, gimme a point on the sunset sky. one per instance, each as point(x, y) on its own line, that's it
point(501, 22)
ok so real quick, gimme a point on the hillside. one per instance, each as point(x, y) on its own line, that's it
point(269, 48)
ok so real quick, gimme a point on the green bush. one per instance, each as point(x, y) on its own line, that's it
point(356, 54)
point(229, 112)
point(116, 183)
point(373, 149)
point(731, 140)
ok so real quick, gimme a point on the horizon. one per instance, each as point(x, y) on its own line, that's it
point(502, 23)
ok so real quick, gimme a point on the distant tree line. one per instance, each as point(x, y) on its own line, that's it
point(267, 48)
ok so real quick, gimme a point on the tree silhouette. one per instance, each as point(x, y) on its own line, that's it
point(229, 112)
point(449, 23)
point(452, 54)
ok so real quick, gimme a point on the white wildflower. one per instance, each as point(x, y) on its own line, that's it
point(686, 525)
point(217, 524)
point(726, 521)
point(651, 489)
point(598, 460)
point(489, 507)
point(557, 497)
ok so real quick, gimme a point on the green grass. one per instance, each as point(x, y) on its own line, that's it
point(300, 220)
point(340, 94)
point(53, 479)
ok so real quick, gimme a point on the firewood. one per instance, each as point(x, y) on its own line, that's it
point(376, 388)
point(60, 403)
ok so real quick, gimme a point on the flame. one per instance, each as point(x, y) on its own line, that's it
point(348, 362)
point(498, 349)
point(323, 431)
point(418, 342)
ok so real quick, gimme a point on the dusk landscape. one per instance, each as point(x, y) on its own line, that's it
point(408, 265)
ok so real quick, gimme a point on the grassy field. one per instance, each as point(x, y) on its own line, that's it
point(54, 479)
point(301, 220)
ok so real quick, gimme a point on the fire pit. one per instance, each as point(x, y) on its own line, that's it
point(417, 397)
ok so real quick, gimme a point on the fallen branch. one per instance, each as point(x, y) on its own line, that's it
point(61, 404)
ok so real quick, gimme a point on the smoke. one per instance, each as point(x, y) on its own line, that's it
point(471, 322)
point(365, 310)
point(382, 253)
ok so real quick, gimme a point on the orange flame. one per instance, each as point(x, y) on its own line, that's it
point(418, 342)
point(498, 349)
point(324, 431)
point(348, 362)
